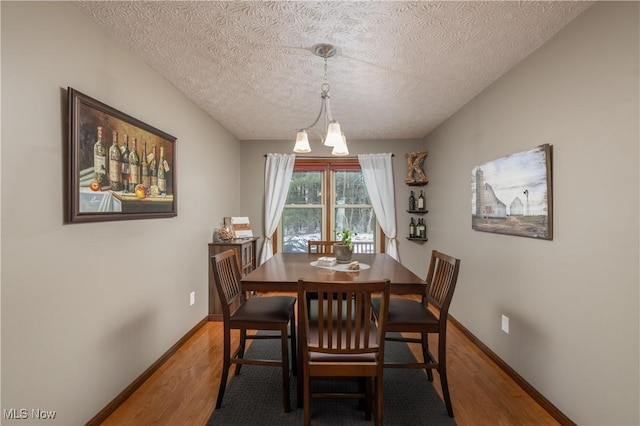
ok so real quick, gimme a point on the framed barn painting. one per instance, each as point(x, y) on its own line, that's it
point(513, 195)
point(117, 167)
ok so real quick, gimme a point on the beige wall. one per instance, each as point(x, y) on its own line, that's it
point(573, 301)
point(86, 308)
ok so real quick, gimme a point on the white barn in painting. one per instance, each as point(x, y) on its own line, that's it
point(493, 207)
point(516, 208)
point(487, 203)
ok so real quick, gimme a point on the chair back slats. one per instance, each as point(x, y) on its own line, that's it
point(321, 322)
point(322, 247)
point(227, 278)
point(441, 279)
point(345, 321)
point(326, 247)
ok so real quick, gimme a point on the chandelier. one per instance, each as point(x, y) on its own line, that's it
point(334, 136)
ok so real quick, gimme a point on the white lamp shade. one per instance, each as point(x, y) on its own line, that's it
point(341, 147)
point(302, 143)
point(334, 134)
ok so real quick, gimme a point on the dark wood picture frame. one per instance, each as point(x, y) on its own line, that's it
point(116, 189)
point(513, 195)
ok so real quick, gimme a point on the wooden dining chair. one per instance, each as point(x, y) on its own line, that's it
point(258, 313)
point(412, 316)
point(322, 247)
point(344, 340)
point(326, 247)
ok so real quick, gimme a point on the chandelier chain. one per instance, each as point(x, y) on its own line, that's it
point(325, 69)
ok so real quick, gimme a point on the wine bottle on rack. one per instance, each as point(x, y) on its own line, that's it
point(153, 170)
point(162, 180)
point(412, 202)
point(134, 163)
point(144, 167)
point(421, 201)
point(124, 160)
point(412, 229)
point(115, 165)
point(423, 229)
point(100, 160)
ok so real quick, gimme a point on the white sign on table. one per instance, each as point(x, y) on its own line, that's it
point(241, 227)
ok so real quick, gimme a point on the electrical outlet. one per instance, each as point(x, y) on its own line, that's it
point(192, 298)
point(505, 324)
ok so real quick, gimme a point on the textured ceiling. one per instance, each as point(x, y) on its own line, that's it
point(401, 68)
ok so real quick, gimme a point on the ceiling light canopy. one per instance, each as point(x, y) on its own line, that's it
point(334, 136)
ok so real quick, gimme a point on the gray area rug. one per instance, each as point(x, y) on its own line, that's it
point(255, 396)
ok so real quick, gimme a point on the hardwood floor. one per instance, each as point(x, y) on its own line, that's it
point(183, 390)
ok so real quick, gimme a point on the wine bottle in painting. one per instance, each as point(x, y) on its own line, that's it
point(124, 160)
point(144, 167)
point(162, 180)
point(134, 164)
point(153, 170)
point(421, 201)
point(115, 165)
point(100, 160)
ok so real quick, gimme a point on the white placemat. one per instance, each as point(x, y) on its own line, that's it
point(341, 267)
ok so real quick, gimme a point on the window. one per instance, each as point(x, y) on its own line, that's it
point(326, 196)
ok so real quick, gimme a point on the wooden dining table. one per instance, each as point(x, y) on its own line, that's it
point(281, 273)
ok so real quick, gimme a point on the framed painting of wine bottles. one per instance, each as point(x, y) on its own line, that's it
point(117, 168)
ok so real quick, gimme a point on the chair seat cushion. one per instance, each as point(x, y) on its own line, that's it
point(406, 311)
point(273, 309)
point(322, 357)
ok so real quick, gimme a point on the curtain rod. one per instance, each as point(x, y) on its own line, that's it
point(327, 158)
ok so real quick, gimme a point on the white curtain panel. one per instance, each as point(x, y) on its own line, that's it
point(277, 177)
point(377, 170)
